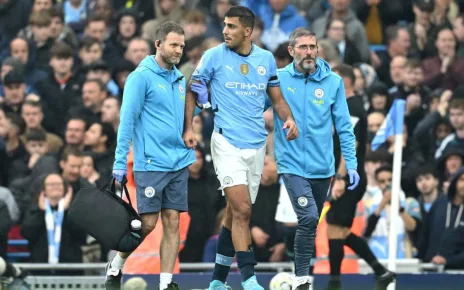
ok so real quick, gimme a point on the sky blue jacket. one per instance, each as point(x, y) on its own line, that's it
point(317, 102)
point(152, 116)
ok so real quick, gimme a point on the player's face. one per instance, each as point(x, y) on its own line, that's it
point(305, 52)
point(171, 48)
point(234, 32)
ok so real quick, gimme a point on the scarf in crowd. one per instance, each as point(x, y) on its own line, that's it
point(54, 221)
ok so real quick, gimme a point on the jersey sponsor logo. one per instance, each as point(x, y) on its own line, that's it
point(163, 87)
point(319, 93)
point(302, 201)
point(246, 89)
point(261, 70)
point(318, 102)
point(244, 69)
point(291, 90)
point(181, 89)
point(149, 191)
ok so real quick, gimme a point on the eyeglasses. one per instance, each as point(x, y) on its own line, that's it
point(305, 47)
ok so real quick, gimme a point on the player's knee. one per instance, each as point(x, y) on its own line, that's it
point(242, 212)
point(308, 220)
point(170, 220)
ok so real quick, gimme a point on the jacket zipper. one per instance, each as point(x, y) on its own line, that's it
point(304, 124)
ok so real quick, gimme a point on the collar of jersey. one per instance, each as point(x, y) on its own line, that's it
point(245, 55)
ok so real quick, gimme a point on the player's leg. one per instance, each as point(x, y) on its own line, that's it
point(149, 206)
point(174, 201)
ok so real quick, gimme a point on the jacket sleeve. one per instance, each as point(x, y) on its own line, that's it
point(342, 120)
point(425, 125)
point(432, 74)
point(455, 261)
point(133, 101)
point(33, 224)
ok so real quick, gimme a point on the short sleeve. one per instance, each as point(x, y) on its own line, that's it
point(204, 70)
point(273, 78)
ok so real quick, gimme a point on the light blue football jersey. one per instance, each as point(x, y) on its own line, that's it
point(238, 86)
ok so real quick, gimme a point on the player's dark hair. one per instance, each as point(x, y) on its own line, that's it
point(166, 28)
point(345, 71)
point(38, 135)
point(300, 32)
point(246, 17)
point(383, 168)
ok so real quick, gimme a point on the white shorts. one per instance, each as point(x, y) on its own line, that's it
point(236, 166)
point(285, 212)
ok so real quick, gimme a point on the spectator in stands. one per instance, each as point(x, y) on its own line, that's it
point(379, 100)
point(75, 14)
point(456, 116)
point(120, 73)
point(90, 51)
point(443, 238)
point(193, 52)
point(96, 28)
point(41, 38)
point(280, 19)
point(60, 91)
point(93, 94)
point(445, 12)
point(448, 164)
point(458, 30)
point(20, 50)
point(397, 67)
point(105, 9)
point(99, 141)
point(110, 112)
point(445, 70)
point(202, 197)
point(427, 184)
point(70, 163)
point(32, 114)
point(89, 172)
point(14, 89)
point(46, 218)
point(374, 159)
point(60, 31)
point(126, 29)
point(257, 34)
point(100, 70)
point(75, 133)
point(216, 18)
point(14, 147)
point(349, 54)
point(36, 158)
point(422, 31)
point(354, 29)
point(137, 50)
point(374, 122)
point(194, 24)
point(378, 223)
point(14, 15)
point(266, 233)
point(166, 10)
point(328, 52)
point(398, 44)
point(281, 55)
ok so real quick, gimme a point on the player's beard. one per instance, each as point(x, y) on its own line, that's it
point(170, 59)
point(304, 65)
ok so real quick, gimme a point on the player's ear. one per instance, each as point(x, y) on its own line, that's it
point(157, 43)
point(248, 31)
point(290, 50)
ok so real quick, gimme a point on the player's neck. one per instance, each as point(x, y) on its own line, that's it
point(245, 48)
point(159, 60)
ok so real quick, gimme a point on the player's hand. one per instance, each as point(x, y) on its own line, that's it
point(292, 129)
point(190, 139)
point(201, 90)
point(354, 178)
point(119, 174)
point(439, 260)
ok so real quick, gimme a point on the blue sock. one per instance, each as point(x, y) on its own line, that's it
point(246, 262)
point(224, 255)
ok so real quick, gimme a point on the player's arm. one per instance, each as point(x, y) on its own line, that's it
point(344, 127)
point(131, 108)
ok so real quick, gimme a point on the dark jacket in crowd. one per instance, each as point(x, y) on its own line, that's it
point(444, 230)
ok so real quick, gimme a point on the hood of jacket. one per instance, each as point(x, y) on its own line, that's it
point(150, 63)
point(323, 70)
point(452, 150)
point(453, 183)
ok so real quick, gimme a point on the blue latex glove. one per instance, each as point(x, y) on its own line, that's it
point(202, 91)
point(354, 178)
point(119, 174)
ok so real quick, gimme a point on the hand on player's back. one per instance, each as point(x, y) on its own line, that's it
point(292, 133)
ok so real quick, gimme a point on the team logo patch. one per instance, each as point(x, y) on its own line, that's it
point(244, 69)
point(149, 191)
point(227, 180)
point(261, 70)
point(181, 89)
point(302, 201)
point(319, 93)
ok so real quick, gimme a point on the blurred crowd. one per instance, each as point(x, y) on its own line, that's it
point(63, 68)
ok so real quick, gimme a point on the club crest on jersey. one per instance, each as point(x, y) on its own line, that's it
point(244, 69)
point(302, 201)
point(181, 89)
point(319, 93)
point(227, 180)
point(261, 70)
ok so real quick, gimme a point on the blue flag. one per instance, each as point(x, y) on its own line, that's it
point(392, 125)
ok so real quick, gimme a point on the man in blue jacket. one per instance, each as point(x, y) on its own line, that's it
point(316, 97)
point(152, 116)
point(443, 238)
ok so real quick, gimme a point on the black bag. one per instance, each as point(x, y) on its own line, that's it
point(105, 216)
